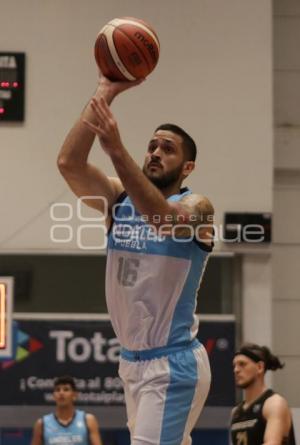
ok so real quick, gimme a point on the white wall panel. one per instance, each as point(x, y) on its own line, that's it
point(287, 215)
point(286, 36)
point(287, 98)
point(287, 152)
point(286, 272)
point(257, 299)
point(213, 78)
point(286, 327)
point(286, 7)
point(286, 381)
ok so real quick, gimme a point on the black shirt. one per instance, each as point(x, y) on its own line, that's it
point(248, 425)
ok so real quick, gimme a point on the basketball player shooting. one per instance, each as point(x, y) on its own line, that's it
point(154, 265)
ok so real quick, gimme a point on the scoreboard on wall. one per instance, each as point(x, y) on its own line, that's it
point(12, 86)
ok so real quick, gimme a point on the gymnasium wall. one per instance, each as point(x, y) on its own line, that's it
point(214, 78)
point(286, 246)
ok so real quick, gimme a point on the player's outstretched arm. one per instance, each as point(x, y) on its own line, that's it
point(83, 178)
point(37, 435)
point(93, 428)
point(278, 418)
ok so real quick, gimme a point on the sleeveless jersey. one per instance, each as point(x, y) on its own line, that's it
point(151, 281)
point(248, 425)
point(75, 433)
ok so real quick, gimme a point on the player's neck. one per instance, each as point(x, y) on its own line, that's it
point(253, 392)
point(171, 190)
point(65, 413)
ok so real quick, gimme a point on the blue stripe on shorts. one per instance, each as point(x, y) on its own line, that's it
point(180, 394)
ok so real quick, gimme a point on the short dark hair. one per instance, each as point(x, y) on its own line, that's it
point(189, 145)
point(65, 380)
point(261, 353)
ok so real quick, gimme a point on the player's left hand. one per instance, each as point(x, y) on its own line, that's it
point(110, 89)
point(107, 128)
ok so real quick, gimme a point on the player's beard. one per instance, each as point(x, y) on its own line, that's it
point(246, 384)
point(166, 179)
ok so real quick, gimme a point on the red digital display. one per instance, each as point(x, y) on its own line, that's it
point(9, 84)
point(12, 82)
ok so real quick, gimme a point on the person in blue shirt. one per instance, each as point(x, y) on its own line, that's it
point(66, 425)
point(159, 238)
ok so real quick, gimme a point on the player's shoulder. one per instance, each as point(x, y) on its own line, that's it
point(90, 419)
point(39, 424)
point(233, 411)
point(275, 404)
point(47, 417)
point(197, 201)
point(91, 423)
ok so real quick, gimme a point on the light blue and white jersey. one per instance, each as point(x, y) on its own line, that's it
point(75, 433)
point(151, 281)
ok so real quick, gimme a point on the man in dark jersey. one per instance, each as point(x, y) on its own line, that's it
point(263, 417)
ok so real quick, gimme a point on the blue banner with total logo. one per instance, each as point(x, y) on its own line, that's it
point(89, 351)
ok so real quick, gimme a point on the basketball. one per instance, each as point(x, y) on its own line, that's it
point(126, 49)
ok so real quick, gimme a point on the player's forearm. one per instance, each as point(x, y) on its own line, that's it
point(145, 196)
point(78, 143)
point(76, 147)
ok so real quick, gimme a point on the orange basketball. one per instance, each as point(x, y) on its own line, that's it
point(126, 49)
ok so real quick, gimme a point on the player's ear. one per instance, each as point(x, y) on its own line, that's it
point(188, 167)
point(261, 367)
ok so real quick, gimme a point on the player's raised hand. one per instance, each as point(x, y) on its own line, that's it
point(110, 89)
point(106, 127)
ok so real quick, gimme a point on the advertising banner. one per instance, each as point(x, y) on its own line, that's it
point(89, 351)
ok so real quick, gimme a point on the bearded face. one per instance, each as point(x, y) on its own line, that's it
point(161, 179)
point(164, 162)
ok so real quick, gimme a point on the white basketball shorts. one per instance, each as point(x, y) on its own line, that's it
point(165, 390)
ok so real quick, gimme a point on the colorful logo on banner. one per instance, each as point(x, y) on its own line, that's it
point(24, 346)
